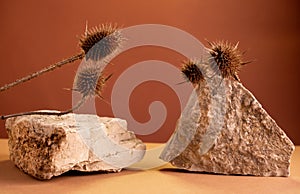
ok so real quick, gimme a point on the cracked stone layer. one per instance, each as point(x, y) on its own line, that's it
point(249, 143)
point(46, 146)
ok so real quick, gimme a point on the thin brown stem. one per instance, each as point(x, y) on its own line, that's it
point(42, 71)
point(45, 112)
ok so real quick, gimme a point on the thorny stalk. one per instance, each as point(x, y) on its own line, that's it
point(42, 71)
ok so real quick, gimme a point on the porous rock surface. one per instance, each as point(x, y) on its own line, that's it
point(249, 141)
point(44, 146)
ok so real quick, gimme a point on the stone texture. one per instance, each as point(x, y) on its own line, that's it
point(47, 146)
point(249, 142)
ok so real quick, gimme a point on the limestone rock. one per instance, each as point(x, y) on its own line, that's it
point(228, 133)
point(46, 146)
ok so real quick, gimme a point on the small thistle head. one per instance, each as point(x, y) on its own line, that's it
point(89, 82)
point(227, 58)
point(101, 41)
point(191, 71)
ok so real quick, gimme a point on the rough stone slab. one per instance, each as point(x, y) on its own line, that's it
point(46, 146)
point(249, 142)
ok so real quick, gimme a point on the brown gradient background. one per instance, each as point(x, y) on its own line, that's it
point(37, 33)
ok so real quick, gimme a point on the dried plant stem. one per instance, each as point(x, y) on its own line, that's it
point(46, 113)
point(44, 70)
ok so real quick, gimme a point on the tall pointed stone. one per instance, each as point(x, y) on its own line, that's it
point(229, 133)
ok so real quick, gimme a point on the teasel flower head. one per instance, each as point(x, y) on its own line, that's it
point(100, 42)
point(89, 82)
point(191, 71)
point(227, 57)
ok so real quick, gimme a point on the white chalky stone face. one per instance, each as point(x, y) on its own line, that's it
point(46, 146)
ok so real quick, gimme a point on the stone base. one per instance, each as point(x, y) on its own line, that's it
point(249, 142)
point(46, 146)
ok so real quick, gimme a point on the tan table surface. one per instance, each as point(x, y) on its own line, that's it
point(163, 180)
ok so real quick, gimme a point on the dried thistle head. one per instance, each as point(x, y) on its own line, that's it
point(227, 57)
point(101, 41)
point(89, 82)
point(191, 71)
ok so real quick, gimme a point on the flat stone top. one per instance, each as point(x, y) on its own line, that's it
point(165, 179)
point(69, 121)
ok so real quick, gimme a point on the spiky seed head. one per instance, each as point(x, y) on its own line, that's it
point(191, 71)
point(227, 57)
point(101, 41)
point(89, 82)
